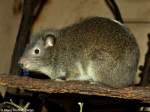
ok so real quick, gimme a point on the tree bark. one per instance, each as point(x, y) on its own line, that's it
point(78, 87)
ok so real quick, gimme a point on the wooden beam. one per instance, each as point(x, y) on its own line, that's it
point(78, 87)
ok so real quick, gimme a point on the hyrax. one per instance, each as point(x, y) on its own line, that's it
point(96, 49)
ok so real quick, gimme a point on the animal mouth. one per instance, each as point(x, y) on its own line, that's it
point(36, 74)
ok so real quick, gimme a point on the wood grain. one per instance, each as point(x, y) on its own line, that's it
point(85, 88)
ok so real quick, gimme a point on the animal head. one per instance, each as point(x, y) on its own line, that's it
point(38, 52)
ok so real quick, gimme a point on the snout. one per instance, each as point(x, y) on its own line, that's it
point(20, 64)
point(23, 63)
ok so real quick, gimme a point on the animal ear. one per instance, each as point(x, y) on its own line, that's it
point(49, 40)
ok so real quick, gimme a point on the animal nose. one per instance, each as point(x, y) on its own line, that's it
point(24, 63)
point(21, 61)
point(21, 65)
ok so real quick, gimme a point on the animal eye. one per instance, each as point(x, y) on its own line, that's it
point(37, 51)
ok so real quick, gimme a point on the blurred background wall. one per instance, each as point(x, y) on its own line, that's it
point(60, 13)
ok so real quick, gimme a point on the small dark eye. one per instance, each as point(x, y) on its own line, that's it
point(36, 51)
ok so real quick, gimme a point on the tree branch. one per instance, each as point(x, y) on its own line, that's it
point(78, 87)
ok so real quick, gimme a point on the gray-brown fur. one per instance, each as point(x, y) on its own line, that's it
point(96, 49)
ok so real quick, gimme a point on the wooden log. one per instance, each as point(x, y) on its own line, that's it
point(78, 87)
